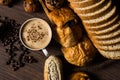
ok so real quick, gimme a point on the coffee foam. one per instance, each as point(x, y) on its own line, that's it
point(36, 34)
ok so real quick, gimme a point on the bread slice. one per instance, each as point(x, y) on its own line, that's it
point(108, 36)
point(53, 68)
point(103, 19)
point(111, 54)
point(75, 0)
point(84, 3)
point(109, 41)
point(110, 47)
point(108, 31)
point(100, 12)
point(89, 9)
point(111, 32)
point(103, 26)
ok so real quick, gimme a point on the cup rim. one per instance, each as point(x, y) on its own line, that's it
point(23, 25)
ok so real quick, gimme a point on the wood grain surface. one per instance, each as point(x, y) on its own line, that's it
point(99, 69)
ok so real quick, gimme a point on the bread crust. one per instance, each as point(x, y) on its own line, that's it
point(102, 27)
point(80, 54)
point(79, 76)
point(66, 33)
point(51, 5)
point(53, 68)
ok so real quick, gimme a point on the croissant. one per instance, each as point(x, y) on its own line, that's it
point(66, 28)
point(68, 31)
point(80, 54)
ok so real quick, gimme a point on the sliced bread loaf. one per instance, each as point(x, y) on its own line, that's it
point(91, 8)
point(98, 13)
point(107, 30)
point(103, 19)
point(103, 26)
point(102, 23)
point(111, 54)
point(108, 36)
point(109, 41)
point(75, 0)
point(110, 47)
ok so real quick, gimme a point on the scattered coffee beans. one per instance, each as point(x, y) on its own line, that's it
point(9, 36)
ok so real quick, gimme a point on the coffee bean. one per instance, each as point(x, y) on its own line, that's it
point(22, 64)
point(7, 50)
point(14, 48)
point(25, 59)
point(13, 61)
point(8, 62)
point(1, 24)
point(26, 52)
point(22, 47)
point(13, 65)
point(4, 18)
point(5, 43)
point(9, 36)
point(15, 68)
point(18, 64)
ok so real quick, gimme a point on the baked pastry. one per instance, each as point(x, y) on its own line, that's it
point(30, 5)
point(79, 76)
point(53, 68)
point(66, 29)
point(102, 23)
point(53, 4)
point(80, 54)
point(5, 2)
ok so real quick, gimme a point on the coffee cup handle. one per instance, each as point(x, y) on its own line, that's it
point(45, 52)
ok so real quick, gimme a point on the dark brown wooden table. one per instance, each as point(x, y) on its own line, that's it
point(99, 69)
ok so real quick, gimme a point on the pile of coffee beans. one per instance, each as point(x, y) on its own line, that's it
point(9, 36)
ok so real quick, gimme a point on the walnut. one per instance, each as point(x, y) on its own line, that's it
point(5, 2)
point(30, 5)
point(53, 4)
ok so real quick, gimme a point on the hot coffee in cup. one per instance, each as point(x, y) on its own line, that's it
point(35, 34)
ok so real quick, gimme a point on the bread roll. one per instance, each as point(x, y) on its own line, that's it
point(30, 5)
point(79, 76)
point(102, 23)
point(53, 69)
point(67, 30)
point(5, 2)
point(80, 54)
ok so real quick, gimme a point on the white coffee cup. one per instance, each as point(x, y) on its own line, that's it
point(35, 34)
